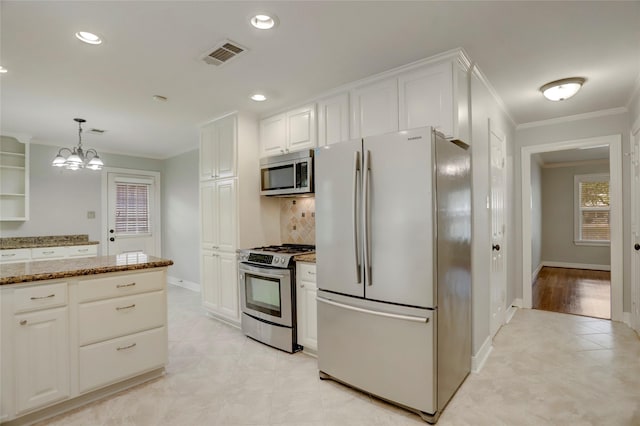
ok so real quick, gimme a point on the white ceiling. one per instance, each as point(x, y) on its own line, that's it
point(572, 155)
point(154, 48)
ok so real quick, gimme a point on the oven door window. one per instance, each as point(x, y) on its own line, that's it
point(281, 177)
point(263, 294)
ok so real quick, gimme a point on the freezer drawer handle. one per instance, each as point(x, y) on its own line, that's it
point(367, 311)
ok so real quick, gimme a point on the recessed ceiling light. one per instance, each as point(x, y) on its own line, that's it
point(258, 97)
point(3, 70)
point(560, 90)
point(160, 98)
point(262, 21)
point(87, 37)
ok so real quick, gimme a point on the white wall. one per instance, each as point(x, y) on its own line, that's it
point(536, 214)
point(590, 125)
point(485, 108)
point(60, 199)
point(558, 218)
point(181, 221)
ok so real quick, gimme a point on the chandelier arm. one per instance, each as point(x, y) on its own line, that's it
point(64, 149)
point(91, 151)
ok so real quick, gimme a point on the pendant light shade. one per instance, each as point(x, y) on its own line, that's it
point(78, 158)
point(560, 90)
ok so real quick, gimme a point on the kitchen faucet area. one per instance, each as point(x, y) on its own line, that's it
point(319, 213)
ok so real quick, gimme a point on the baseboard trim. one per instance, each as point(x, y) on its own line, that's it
point(536, 272)
point(189, 285)
point(626, 318)
point(478, 360)
point(576, 266)
point(517, 302)
point(510, 312)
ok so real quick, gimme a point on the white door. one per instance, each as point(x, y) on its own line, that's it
point(333, 119)
point(635, 227)
point(228, 280)
point(301, 128)
point(273, 133)
point(133, 213)
point(498, 285)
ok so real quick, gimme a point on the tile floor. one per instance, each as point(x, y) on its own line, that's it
point(545, 369)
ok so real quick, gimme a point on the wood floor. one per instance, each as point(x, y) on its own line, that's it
point(573, 291)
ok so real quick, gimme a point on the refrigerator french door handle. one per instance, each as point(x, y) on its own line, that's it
point(356, 170)
point(367, 215)
point(377, 313)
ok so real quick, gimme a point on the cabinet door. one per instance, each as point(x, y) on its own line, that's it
point(209, 280)
point(41, 358)
point(426, 98)
point(301, 128)
point(226, 147)
point(225, 207)
point(208, 215)
point(374, 109)
point(208, 135)
point(228, 278)
point(273, 135)
point(307, 314)
point(333, 119)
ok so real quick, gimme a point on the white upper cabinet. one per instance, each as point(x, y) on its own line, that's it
point(14, 179)
point(426, 98)
point(293, 130)
point(218, 149)
point(374, 108)
point(333, 119)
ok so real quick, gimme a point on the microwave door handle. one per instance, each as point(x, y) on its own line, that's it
point(356, 170)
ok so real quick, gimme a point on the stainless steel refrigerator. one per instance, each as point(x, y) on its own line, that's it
point(393, 233)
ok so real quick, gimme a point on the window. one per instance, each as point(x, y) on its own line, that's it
point(592, 209)
point(132, 208)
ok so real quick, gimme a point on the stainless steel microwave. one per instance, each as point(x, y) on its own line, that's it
point(287, 175)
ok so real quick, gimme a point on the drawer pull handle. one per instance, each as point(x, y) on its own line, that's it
point(9, 255)
point(23, 322)
point(122, 348)
point(311, 273)
point(125, 285)
point(83, 250)
point(119, 308)
point(48, 252)
point(43, 297)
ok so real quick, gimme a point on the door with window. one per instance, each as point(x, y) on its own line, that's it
point(133, 217)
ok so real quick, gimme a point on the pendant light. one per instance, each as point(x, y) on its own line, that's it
point(78, 158)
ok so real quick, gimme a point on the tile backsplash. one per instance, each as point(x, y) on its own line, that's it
point(298, 220)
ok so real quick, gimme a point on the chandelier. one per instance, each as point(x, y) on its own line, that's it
point(77, 157)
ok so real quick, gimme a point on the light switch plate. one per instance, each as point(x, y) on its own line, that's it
point(91, 215)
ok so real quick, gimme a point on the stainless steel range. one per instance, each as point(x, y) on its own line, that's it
point(268, 294)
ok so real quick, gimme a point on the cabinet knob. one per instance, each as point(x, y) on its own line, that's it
point(637, 247)
point(23, 322)
point(112, 239)
point(301, 285)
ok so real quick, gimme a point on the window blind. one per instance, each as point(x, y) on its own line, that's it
point(594, 210)
point(132, 208)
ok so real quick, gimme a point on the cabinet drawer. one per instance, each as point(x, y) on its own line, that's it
point(48, 253)
point(120, 285)
point(15, 255)
point(117, 359)
point(40, 297)
point(307, 271)
point(106, 319)
point(82, 251)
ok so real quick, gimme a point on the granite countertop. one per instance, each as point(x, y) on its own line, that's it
point(46, 241)
point(13, 273)
point(307, 257)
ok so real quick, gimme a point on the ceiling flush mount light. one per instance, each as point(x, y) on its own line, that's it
point(2, 69)
point(78, 158)
point(87, 37)
point(258, 97)
point(560, 90)
point(263, 21)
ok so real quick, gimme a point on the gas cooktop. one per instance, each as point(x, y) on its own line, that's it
point(280, 256)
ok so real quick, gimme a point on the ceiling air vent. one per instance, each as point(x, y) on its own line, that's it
point(223, 53)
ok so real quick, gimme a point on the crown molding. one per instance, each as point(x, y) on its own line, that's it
point(569, 118)
point(574, 163)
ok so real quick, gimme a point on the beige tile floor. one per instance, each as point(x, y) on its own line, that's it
point(545, 369)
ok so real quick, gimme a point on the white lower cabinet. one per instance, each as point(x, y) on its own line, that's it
point(63, 339)
point(41, 358)
point(307, 312)
point(220, 285)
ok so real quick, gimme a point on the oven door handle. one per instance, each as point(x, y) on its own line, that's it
point(261, 272)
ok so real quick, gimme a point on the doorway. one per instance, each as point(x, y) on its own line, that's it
point(131, 212)
point(613, 144)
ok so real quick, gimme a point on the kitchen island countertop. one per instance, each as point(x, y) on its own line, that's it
point(23, 272)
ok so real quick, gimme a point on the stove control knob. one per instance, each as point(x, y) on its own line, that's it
point(282, 260)
point(276, 260)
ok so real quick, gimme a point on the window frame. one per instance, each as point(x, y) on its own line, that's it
point(578, 209)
